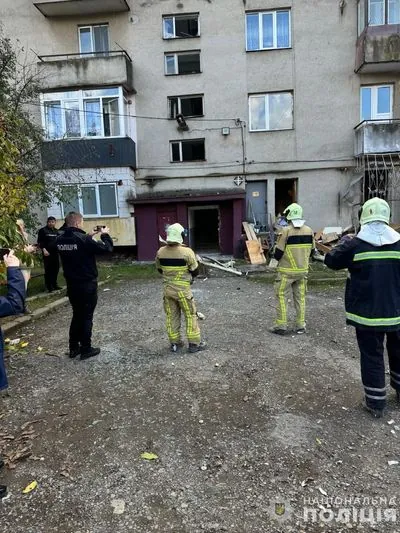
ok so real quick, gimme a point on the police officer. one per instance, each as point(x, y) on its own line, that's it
point(293, 250)
point(178, 265)
point(77, 250)
point(372, 298)
point(47, 243)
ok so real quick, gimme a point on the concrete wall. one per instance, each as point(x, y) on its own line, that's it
point(319, 69)
point(86, 72)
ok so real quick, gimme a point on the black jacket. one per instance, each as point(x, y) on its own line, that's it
point(372, 297)
point(12, 304)
point(47, 239)
point(77, 250)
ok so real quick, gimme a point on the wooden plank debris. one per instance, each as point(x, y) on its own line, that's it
point(254, 246)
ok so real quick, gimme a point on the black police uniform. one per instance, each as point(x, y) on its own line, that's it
point(77, 250)
point(47, 239)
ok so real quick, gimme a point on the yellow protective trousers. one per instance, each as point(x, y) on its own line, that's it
point(177, 301)
point(283, 286)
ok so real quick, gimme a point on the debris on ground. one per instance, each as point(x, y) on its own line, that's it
point(254, 245)
point(214, 263)
point(29, 488)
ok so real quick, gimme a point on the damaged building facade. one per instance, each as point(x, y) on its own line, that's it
point(211, 112)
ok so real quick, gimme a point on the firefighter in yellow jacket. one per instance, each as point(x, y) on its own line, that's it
point(178, 265)
point(293, 250)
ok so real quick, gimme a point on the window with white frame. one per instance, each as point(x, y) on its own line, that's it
point(182, 63)
point(377, 13)
point(181, 26)
point(86, 113)
point(188, 106)
point(93, 39)
point(268, 30)
point(188, 150)
point(91, 200)
point(271, 111)
point(376, 102)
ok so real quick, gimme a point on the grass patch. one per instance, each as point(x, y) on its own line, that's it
point(112, 272)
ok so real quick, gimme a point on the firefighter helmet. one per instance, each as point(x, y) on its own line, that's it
point(175, 233)
point(375, 210)
point(293, 212)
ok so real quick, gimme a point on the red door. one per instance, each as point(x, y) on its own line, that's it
point(165, 218)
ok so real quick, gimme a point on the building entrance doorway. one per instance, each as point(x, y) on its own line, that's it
point(204, 228)
point(285, 194)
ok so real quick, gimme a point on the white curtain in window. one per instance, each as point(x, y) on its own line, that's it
point(72, 122)
point(92, 118)
point(268, 30)
point(253, 38)
point(100, 38)
point(376, 12)
point(53, 120)
point(282, 29)
point(394, 12)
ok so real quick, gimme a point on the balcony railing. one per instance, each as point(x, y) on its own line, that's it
point(68, 8)
point(378, 49)
point(377, 137)
point(93, 69)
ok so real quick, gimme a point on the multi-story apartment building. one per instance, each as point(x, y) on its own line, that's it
point(213, 111)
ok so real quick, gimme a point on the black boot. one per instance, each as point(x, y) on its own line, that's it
point(74, 351)
point(91, 352)
point(193, 348)
point(3, 491)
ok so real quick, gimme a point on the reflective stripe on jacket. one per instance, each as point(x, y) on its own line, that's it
point(372, 291)
point(293, 250)
point(176, 262)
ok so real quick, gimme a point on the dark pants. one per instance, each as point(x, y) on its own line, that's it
point(83, 300)
point(371, 344)
point(51, 268)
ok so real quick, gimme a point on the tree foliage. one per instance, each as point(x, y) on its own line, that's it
point(22, 184)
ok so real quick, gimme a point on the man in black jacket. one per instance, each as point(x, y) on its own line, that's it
point(47, 243)
point(77, 250)
point(373, 299)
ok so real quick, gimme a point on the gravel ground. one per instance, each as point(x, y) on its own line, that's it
point(254, 421)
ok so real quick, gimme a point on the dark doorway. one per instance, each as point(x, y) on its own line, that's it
point(285, 194)
point(204, 228)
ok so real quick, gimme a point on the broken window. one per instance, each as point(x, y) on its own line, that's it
point(190, 150)
point(188, 106)
point(181, 26)
point(182, 63)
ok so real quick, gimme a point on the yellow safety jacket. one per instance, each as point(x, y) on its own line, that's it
point(176, 262)
point(293, 250)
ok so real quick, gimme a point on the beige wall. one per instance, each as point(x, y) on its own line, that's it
point(319, 69)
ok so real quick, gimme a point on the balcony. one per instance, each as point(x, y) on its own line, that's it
point(378, 49)
point(89, 153)
point(99, 69)
point(68, 8)
point(377, 137)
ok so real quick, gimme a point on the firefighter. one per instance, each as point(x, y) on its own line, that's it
point(293, 250)
point(372, 299)
point(178, 265)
